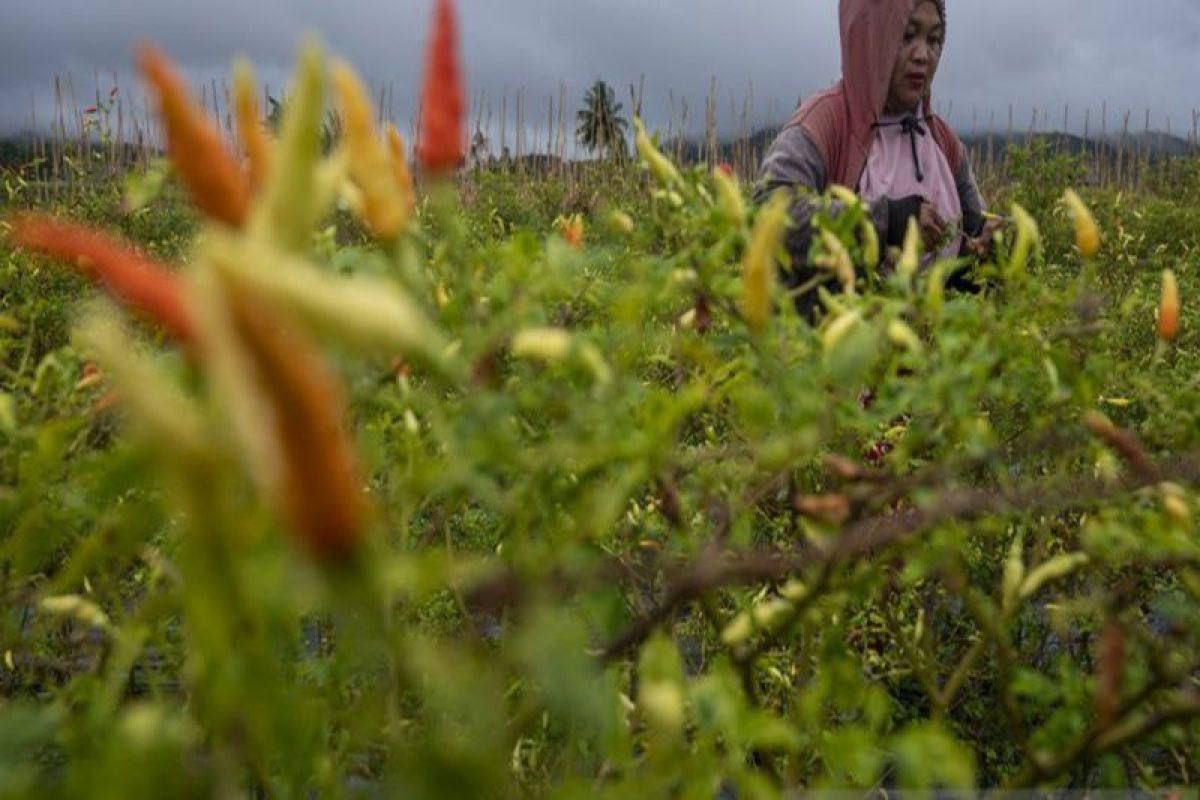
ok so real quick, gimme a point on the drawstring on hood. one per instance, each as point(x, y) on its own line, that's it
point(912, 125)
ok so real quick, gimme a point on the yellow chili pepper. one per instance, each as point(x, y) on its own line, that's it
point(910, 256)
point(1087, 232)
point(839, 260)
point(729, 195)
point(621, 222)
point(839, 328)
point(758, 266)
point(292, 200)
point(367, 158)
point(1027, 238)
point(870, 243)
point(660, 166)
point(400, 171)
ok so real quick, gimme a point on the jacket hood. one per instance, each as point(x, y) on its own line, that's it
point(840, 119)
point(872, 37)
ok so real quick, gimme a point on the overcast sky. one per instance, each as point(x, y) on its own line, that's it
point(1034, 53)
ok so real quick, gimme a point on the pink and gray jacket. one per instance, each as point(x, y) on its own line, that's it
point(841, 136)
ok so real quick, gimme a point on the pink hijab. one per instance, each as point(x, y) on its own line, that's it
point(840, 119)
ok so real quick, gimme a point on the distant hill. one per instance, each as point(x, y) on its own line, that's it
point(1153, 143)
point(15, 150)
point(1158, 142)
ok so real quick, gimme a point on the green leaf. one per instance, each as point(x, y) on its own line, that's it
point(927, 757)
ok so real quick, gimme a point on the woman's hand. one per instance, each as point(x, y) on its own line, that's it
point(932, 226)
point(981, 245)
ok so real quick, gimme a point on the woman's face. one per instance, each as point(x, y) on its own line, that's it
point(918, 59)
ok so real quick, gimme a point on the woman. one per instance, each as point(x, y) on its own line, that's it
point(875, 132)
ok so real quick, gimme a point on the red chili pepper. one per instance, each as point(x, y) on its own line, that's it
point(145, 285)
point(441, 148)
point(217, 186)
point(322, 496)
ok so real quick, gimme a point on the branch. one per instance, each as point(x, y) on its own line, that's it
point(1185, 707)
point(708, 574)
point(867, 536)
point(717, 569)
point(1124, 442)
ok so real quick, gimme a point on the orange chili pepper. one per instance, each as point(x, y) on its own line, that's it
point(1168, 308)
point(145, 285)
point(322, 496)
point(250, 126)
point(108, 400)
point(441, 148)
point(217, 186)
point(89, 376)
point(572, 231)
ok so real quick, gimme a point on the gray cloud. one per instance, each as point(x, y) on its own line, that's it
point(1030, 53)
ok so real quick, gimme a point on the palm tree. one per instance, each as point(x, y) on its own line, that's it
point(599, 124)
